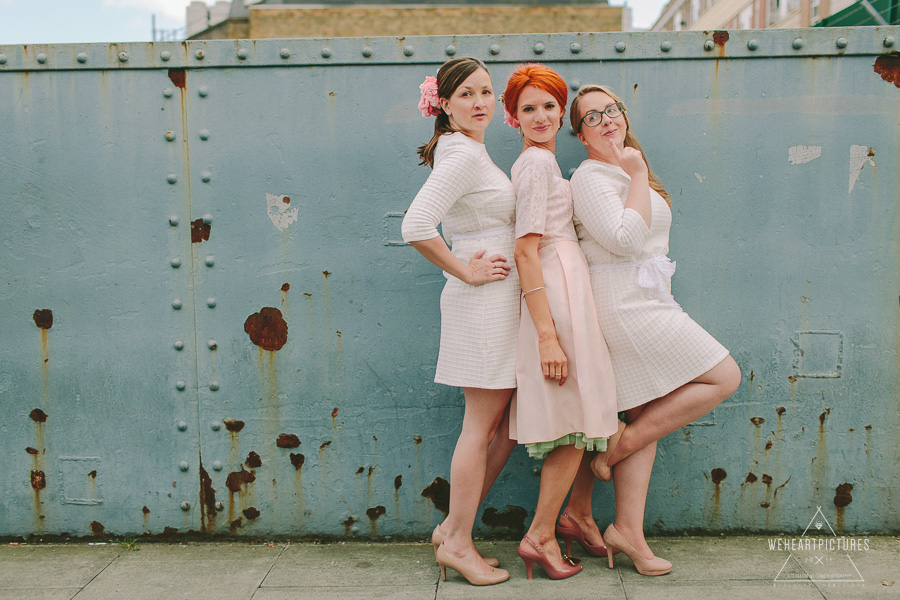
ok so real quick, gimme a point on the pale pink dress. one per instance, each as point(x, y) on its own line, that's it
point(583, 410)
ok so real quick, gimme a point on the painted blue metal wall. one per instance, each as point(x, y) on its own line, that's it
point(241, 343)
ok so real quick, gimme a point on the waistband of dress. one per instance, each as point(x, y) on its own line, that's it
point(626, 266)
point(487, 233)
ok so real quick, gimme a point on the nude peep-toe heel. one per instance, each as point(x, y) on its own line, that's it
point(598, 464)
point(645, 566)
point(438, 537)
point(468, 568)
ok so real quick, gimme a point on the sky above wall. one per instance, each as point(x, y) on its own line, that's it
point(80, 21)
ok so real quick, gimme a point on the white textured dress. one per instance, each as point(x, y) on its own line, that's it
point(583, 410)
point(475, 203)
point(655, 346)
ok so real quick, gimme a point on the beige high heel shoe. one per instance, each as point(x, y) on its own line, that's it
point(598, 463)
point(645, 566)
point(468, 568)
point(438, 537)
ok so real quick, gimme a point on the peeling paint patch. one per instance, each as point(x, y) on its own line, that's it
point(511, 518)
point(97, 528)
point(720, 38)
point(398, 481)
point(297, 460)
point(757, 421)
point(145, 510)
point(798, 155)
point(287, 440)
point(324, 445)
point(699, 177)
point(32, 451)
point(38, 480)
point(233, 425)
point(253, 460)
point(267, 328)
point(177, 76)
point(888, 66)
point(767, 479)
point(439, 493)
point(718, 475)
point(842, 495)
point(236, 479)
point(285, 287)
point(207, 496)
point(375, 512)
point(43, 318)
point(38, 416)
point(751, 478)
point(280, 212)
point(251, 513)
point(199, 231)
point(859, 156)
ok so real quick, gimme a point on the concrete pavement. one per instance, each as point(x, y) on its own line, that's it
point(705, 567)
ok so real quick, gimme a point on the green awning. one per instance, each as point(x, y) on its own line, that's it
point(865, 12)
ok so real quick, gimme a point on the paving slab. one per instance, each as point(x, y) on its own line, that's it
point(36, 594)
point(44, 567)
point(400, 592)
point(659, 589)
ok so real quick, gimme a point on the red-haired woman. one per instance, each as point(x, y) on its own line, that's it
point(475, 203)
point(566, 399)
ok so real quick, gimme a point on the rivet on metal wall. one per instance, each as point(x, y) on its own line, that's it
point(42, 58)
point(170, 135)
point(407, 50)
point(575, 48)
point(752, 45)
point(123, 56)
point(176, 304)
point(326, 52)
point(665, 46)
point(215, 425)
point(203, 91)
point(841, 42)
point(180, 385)
point(620, 47)
point(2, 59)
point(285, 53)
point(495, 49)
point(539, 48)
point(205, 176)
point(889, 41)
point(367, 52)
point(185, 505)
point(212, 344)
point(182, 426)
point(204, 134)
point(207, 218)
point(797, 43)
point(165, 55)
point(217, 466)
point(242, 54)
point(199, 54)
point(210, 261)
point(168, 92)
point(708, 45)
point(172, 178)
point(211, 302)
point(220, 506)
point(575, 84)
point(176, 262)
point(81, 57)
point(179, 345)
point(173, 220)
point(450, 50)
point(214, 386)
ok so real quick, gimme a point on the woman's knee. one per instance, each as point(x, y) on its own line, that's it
point(730, 377)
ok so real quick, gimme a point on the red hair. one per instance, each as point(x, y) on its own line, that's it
point(534, 75)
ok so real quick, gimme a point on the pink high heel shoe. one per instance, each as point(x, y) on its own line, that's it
point(574, 532)
point(438, 537)
point(645, 566)
point(531, 553)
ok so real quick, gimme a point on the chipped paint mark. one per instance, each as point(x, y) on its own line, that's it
point(859, 156)
point(511, 518)
point(324, 445)
point(287, 440)
point(718, 475)
point(93, 474)
point(178, 77)
point(43, 318)
point(720, 38)
point(97, 528)
point(768, 445)
point(267, 328)
point(251, 513)
point(236, 479)
point(234, 524)
point(767, 479)
point(798, 155)
point(751, 477)
point(842, 495)
point(360, 470)
point(254, 461)
point(280, 212)
point(417, 439)
point(145, 510)
point(200, 231)
point(334, 413)
point(757, 421)
point(824, 414)
point(38, 416)
point(32, 451)
point(285, 287)
point(792, 379)
point(208, 509)
point(169, 531)
point(888, 66)
point(233, 425)
point(699, 177)
point(398, 481)
point(375, 512)
point(38, 480)
point(764, 504)
point(780, 410)
point(297, 460)
point(348, 524)
point(439, 493)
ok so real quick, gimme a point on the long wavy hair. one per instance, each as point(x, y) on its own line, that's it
point(449, 77)
point(538, 76)
point(631, 140)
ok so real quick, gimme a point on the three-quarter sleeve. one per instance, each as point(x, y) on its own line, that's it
point(453, 176)
point(533, 182)
point(599, 205)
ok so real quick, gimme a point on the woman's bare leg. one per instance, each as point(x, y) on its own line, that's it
point(579, 507)
point(498, 454)
point(557, 474)
point(676, 409)
point(631, 479)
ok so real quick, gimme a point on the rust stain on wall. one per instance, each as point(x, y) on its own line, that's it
point(145, 510)
point(324, 445)
point(234, 524)
point(718, 475)
point(285, 287)
point(767, 479)
point(200, 231)
point(842, 495)
point(233, 425)
point(375, 512)
point(751, 478)
point(360, 470)
point(348, 523)
point(287, 440)
point(888, 66)
point(297, 460)
point(32, 451)
point(512, 518)
point(236, 479)
point(93, 474)
point(208, 509)
point(251, 513)
point(43, 318)
point(97, 528)
point(757, 421)
point(177, 76)
point(38, 480)
point(720, 38)
point(38, 416)
point(439, 493)
point(398, 481)
point(267, 328)
point(253, 460)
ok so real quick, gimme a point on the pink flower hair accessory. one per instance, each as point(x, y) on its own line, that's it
point(430, 102)
point(509, 119)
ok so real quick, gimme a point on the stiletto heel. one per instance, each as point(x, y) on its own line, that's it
point(531, 553)
point(467, 566)
point(575, 533)
point(610, 555)
point(645, 566)
point(598, 464)
point(438, 537)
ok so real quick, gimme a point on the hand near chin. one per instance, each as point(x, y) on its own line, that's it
point(487, 269)
point(630, 159)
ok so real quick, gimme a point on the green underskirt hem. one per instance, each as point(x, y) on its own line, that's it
point(542, 449)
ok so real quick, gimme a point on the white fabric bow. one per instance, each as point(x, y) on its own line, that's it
point(653, 275)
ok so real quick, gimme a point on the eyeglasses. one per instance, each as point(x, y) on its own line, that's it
point(595, 117)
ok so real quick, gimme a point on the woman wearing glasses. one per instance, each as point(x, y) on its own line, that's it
point(669, 371)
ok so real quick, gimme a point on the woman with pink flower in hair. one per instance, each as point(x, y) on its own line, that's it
point(475, 203)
